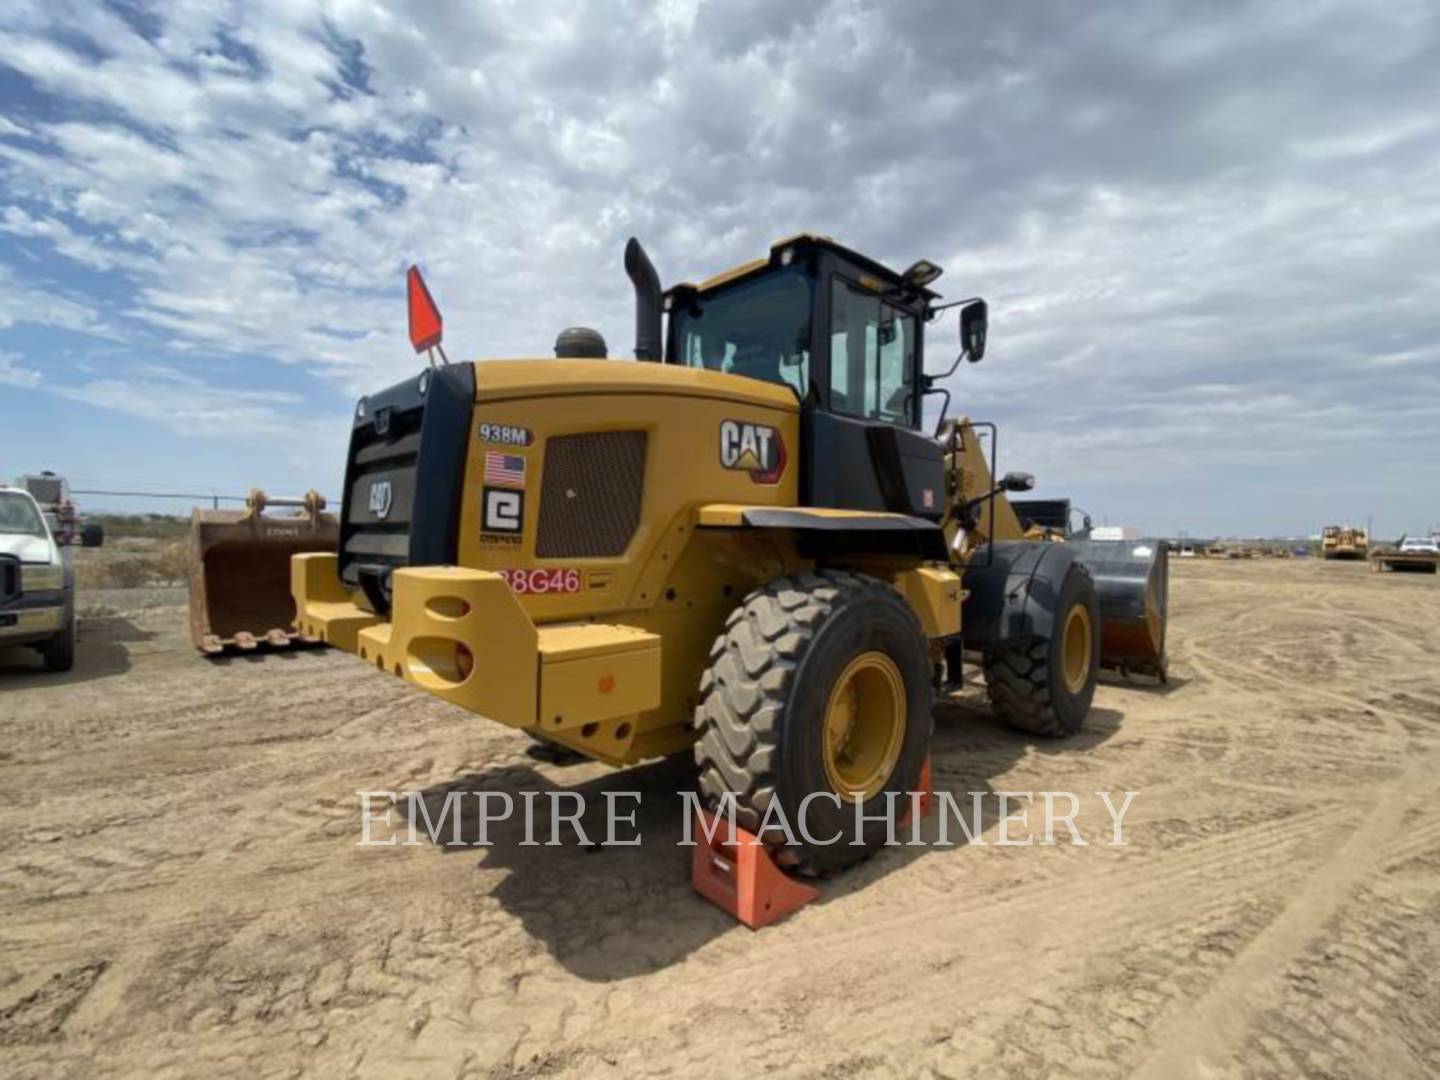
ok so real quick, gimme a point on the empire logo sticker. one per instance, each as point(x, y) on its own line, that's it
point(503, 510)
point(754, 448)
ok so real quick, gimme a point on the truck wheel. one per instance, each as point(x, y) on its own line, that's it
point(820, 683)
point(59, 652)
point(1045, 686)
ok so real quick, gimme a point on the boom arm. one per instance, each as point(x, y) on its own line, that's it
point(969, 484)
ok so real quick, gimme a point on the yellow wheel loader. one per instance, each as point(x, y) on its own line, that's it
point(743, 543)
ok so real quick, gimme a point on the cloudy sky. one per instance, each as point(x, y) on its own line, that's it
point(1210, 234)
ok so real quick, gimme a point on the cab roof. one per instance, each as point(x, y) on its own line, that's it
point(798, 242)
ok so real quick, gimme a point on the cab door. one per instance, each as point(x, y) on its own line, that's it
point(865, 449)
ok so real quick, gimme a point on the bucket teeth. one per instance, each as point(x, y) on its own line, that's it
point(245, 640)
point(277, 637)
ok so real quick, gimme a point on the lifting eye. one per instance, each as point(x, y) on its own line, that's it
point(448, 607)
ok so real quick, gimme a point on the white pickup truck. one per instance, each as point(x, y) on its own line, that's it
point(37, 582)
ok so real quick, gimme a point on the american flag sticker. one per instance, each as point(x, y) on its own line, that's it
point(505, 469)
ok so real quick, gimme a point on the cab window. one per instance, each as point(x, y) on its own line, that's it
point(758, 328)
point(872, 356)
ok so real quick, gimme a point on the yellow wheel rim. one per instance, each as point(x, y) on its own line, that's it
point(864, 726)
point(1075, 647)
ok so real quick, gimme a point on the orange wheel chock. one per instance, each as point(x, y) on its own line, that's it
point(927, 795)
point(737, 875)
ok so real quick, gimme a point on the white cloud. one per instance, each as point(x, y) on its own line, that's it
point(36, 304)
point(187, 405)
point(1204, 235)
point(193, 408)
point(13, 374)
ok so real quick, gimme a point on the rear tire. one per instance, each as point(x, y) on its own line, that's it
point(818, 681)
point(1042, 686)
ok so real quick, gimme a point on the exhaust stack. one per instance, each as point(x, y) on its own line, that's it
point(647, 301)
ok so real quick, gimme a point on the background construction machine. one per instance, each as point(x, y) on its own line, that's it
point(1412, 554)
point(1344, 542)
point(745, 543)
point(52, 492)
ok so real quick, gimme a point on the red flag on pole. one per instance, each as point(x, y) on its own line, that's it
point(425, 323)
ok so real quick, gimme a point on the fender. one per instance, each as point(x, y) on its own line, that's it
point(1015, 596)
point(829, 533)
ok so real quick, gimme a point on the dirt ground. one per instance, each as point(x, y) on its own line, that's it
point(183, 894)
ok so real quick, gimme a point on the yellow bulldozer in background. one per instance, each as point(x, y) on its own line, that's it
point(1344, 542)
point(743, 543)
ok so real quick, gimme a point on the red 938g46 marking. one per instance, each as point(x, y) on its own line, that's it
point(538, 582)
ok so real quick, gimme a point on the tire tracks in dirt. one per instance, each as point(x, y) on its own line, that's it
point(249, 928)
point(1199, 1038)
point(1211, 1030)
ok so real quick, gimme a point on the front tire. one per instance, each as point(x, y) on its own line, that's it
point(59, 652)
point(819, 683)
point(1044, 686)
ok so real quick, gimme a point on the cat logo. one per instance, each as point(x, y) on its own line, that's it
point(380, 496)
point(754, 448)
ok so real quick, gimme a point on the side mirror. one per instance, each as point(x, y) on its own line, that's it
point(974, 322)
point(92, 535)
point(1017, 481)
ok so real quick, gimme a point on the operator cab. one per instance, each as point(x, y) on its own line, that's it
point(846, 335)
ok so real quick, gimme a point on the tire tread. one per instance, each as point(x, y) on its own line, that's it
point(1017, 681)
point(744, 693)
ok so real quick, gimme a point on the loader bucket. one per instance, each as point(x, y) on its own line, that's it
point(1132, 578)
point(240, 570)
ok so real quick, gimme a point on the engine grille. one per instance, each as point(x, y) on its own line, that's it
point(9, 578)
point(389, 460)
point(590, 497)
point(405, 477)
